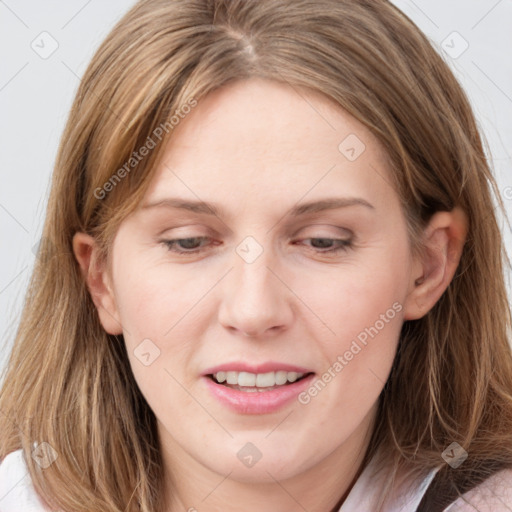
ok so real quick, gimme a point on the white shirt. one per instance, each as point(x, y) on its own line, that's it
point(494, 495)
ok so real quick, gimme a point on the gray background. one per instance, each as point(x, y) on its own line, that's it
point(46, 46)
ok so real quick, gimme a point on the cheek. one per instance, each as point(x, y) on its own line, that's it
point(161, 310)
point(367, 332)
point(363, 308)
point(355, 298)
point(154, 297)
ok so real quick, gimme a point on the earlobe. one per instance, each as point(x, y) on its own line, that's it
point(98, 282)
point(443, 241)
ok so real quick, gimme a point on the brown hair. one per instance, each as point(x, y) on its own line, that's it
point(69, 383)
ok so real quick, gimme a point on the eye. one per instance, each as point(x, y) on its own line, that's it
point(193, 245)
point(188, 245)
point(327, 243)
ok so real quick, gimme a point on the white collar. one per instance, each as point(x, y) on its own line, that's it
point(367, 490)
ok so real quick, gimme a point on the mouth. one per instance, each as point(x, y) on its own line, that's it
point(262, 389)
point(257, 382)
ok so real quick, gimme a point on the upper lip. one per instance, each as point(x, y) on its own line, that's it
point(240, 366)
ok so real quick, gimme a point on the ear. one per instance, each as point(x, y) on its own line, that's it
point(444, 239)
point(98, 282)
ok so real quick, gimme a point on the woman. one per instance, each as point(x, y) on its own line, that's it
point(272, 276)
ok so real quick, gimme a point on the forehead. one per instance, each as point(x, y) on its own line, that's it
point(258, 140)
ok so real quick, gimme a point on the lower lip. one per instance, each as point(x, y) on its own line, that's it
point(257, 402)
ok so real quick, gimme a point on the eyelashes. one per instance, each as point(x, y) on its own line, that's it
point(172, 244)
point(176, 245)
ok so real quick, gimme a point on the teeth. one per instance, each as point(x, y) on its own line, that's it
point(232, 377)
point(259, 380)
point(292, 376)
point(246, 379)
point(264, 380)
point(281, 377)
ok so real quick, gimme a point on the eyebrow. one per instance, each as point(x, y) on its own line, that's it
point(206, 208)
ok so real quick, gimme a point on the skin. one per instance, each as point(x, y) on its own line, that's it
point(256, 148)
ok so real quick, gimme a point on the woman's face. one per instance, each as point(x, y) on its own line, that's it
point(304, 267)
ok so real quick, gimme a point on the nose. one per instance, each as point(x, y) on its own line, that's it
point(256, 299)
